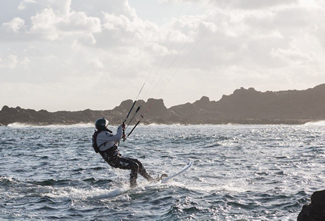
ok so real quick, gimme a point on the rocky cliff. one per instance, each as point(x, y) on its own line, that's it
point(315, 211)
point(254, 107)
point(243, 106)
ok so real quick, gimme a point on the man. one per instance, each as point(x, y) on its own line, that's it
point(106, 143)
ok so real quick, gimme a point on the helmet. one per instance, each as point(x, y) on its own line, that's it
point(101, 124)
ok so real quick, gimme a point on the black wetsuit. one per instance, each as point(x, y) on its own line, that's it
point(112, 156)
point(114, 159)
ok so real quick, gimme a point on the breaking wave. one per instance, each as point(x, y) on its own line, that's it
point(23, 125)
point(316, 123)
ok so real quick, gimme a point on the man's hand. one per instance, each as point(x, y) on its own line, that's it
point(123, 131)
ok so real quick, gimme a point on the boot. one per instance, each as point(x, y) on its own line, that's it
point(133, 179)
point(159, 178)
point(133, 183)
point(144, 173)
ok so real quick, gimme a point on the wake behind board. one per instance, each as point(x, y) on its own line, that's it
point(110, 194)
point(165, 180)
point(121, 191)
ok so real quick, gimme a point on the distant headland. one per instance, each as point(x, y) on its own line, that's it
point(244, 106)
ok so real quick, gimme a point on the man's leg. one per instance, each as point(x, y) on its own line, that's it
point(126, 164)
point(142, 170)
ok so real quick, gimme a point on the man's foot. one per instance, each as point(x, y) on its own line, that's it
point(161, 177)
point(133, 182)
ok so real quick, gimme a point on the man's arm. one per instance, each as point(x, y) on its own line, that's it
point(117, 137)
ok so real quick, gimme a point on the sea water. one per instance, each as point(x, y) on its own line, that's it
point(240, 172)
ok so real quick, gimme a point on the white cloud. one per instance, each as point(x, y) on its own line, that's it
point(25, 62)
point(260, 4)
point(294, 54)
point(116, 7)
point(184, 1)
point(56, 24)
point(86, 39)
point(131, 30)
point(97, 63)
point(24, 4)
point(264, 44)
point(80, 22)
point(10, 62)
point(61, 7)
point(237, 4)
point(44, 24)
point(14, 25)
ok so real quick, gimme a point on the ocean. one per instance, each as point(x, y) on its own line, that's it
point(240, 172)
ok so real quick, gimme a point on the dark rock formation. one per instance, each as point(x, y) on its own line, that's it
point(315, 211)
point(202, 111)
point(244, 106)
point(158, 114)
point(284, 106)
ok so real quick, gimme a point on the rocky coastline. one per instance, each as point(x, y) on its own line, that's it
point(244, 106)
point(315, 211)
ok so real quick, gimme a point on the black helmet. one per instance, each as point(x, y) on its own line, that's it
point(101, 124)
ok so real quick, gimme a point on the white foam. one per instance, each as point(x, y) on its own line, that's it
point(82, 194)
point(316, 123)
point(25, 125)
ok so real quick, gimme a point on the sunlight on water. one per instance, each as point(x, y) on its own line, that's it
point(317, 123)
point(240, 172)
point(22, 125)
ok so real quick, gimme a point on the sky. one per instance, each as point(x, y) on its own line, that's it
point(94, 54)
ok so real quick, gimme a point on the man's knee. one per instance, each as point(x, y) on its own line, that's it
point(135, 167)
point(138, 163)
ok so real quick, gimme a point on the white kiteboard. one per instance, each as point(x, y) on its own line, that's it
point(117, 192)
point(165, 180)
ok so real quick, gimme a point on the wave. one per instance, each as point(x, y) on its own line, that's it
point(24, 125)
point(6, 181)
point(316, 123)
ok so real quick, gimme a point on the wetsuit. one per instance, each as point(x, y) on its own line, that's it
point(108, 148)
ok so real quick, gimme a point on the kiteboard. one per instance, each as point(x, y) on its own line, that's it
point(118, 192)
point(165, 180)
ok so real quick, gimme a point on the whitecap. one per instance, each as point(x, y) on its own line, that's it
point(315, 123)
point(25, 125)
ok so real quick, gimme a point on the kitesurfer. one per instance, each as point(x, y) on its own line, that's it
point(106, 143)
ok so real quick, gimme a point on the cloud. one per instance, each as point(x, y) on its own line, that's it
point(116, 7)
point(260, 4)
point(24, 4)
point(56, 24)
point(236, 4)
point(184, 1)
point(86, 40)
point(293, 54)
point(80, 22)
point(14, 25)
point(25, 62)
point(44, 24)
point(97, 63)
point(10, 62)
point(249, 43)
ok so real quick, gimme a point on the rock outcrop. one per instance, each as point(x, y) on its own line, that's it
point(315, 211)
point(277, 107)
point(244, 106)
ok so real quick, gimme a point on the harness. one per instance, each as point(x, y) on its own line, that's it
point(109, 153)
point(94, 143)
